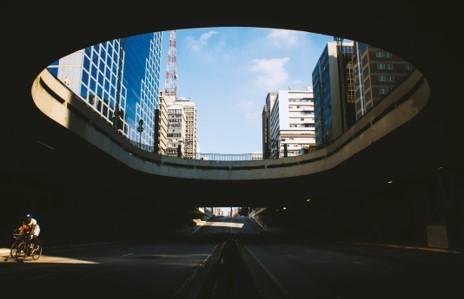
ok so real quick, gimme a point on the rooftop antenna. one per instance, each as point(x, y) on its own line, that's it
point(170, 84)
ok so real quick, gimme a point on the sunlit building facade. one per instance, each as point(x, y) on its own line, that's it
point(176, 130)
point(161, 123)
point(190, 136)
point(119, 79)
point(141, 78)
point(291, 122)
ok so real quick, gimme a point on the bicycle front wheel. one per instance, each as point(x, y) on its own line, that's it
point(36, 252)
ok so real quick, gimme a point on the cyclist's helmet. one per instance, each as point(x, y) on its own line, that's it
point(28, 217)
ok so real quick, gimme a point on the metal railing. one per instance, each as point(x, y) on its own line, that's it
point(238, 157)
point(228, 157)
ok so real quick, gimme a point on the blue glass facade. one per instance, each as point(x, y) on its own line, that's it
point(141, 77)
point(120, 73)
point(93, 74)
point(102, 67)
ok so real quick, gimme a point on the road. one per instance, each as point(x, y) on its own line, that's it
point(239, 226)
point(270, 266)
point(108, 270)
point(344, 271)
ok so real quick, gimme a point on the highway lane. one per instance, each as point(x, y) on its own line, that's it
point(154, 270)
point(304, 271)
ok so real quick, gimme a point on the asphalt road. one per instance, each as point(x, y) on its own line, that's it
point(303, 271)
point(108, 270)
point(297, 270)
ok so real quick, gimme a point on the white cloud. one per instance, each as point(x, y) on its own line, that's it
point(196, 44)
point(285, 38)
point(270, 74)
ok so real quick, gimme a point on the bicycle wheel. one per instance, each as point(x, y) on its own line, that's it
point(36, 252)
point(14, 248)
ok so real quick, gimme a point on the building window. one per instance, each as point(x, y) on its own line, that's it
point(386, 78)
point(383, 91)
point(383, 54)
point(385, 66)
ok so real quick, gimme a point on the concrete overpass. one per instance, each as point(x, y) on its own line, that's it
point(60, 104)
point(53, 170)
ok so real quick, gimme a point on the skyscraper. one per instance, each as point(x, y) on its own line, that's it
point(333, 91)
point(119, 79)
point(94, 74)
point(141, 78)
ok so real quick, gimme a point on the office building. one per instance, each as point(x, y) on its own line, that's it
point(141, 78)
point(94, 74)
point(190, 136)
point(376, 73)
point(176, 130)
point(161, 123)
point(290, 123)
point(333, 91)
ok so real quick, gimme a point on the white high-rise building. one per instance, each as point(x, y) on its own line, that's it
point(190, 137)
point(181, 112)
point(161, 117)
point(291, 123)
point(176, 130)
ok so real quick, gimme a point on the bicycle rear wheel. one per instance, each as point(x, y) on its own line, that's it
point(14, 248)
point(21, 250)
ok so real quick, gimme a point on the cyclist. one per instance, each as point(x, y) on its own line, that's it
point(23, 229)
point(34, 230)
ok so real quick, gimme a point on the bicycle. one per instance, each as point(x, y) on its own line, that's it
point(20, 247)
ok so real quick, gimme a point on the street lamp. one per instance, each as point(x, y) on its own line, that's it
point(179, 149)
point(140, 129)
point(116, 118)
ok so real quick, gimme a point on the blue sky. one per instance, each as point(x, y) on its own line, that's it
point(228, 72)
